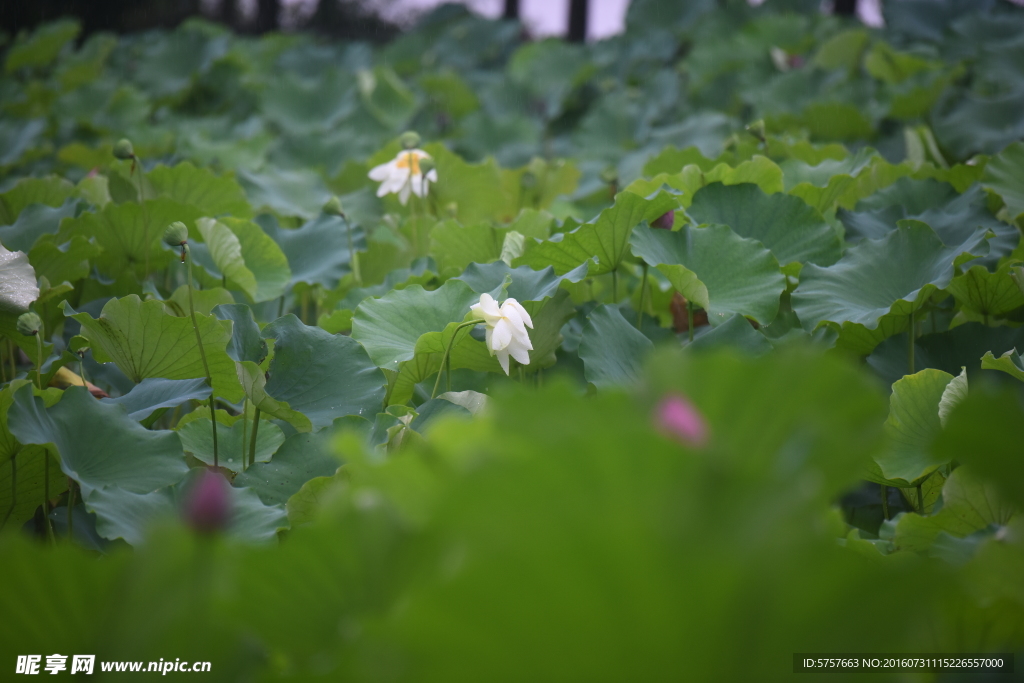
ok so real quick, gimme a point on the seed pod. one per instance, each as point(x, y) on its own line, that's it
point(176, 234)
point(664, 221)
point(410, 139)
point(207, 503)
point(426, 165)
point(29, 324)
point(123, 149)
point(333, 207)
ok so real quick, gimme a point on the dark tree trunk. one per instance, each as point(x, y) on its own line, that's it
point(267, 15)
point(847, 7)
point(511, 9)
point(577, 21)
point(229, 13)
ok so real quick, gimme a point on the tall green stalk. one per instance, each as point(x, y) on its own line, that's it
point(447, 352)
point(643, 293)
point(252, 443)
point(911, 334)
point(689, 318)
point(186, 254)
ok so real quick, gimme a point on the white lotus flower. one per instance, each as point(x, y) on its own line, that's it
point(506, 329)
point(402, 175)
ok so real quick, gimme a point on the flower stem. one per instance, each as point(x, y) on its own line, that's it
point(71, 506)
point(920, 500)
point(689, 318)
point(447, 353)
point(885, 501)
point(245, 429)
point(615, 285)
point(252, 443)
point(910, 344)
point(353, 257)
point(46, 497)
point(14, 489)
point(145, 218)
point(643, 293)
point(39, 357)
point(202, 352)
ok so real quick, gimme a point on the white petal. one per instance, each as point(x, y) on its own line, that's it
point(502, 335)
point(512, 316)
point(432, 175)
point(489, 306)
point(381, 172)
point(489, 334)
point(503, 359)
point(522, 339)
point(516, 306)
point(519, 353)
point(403, 195)
point(419, 187)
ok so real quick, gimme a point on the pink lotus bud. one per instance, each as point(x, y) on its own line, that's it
point(207, 503)
point(664, 221)
point(677, 418)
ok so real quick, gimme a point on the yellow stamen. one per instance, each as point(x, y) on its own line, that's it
point(407, 160)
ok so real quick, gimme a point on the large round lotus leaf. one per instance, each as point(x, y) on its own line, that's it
point(793, 231)
point(232, 442)
point(98, 443)
point(984, 293)
point(879, 283)
point(318, 251)
point(52, 191)
point(122, 230)
point(247, 343)
point(200, 187)
point(612, 350)
point(525, 283)
point(63, 262)
point(606, 237)
point(246, 257)
point(716, 269)
point(154, 393)
point(300, 458)
point(145, 341)
point(303, 106)
point(736, 333)
point(954, 217)
point(42, 47)
point(124, 514)
point(912, 425)
point(34, 221)
point(1004, 173)
point(324, 376)
point(390, 326)
point(288, 192)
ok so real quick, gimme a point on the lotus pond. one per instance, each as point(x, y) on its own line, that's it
point(664, 357)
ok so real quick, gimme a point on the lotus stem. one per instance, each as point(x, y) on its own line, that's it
point(352, 255)
point(615, 285)
point(920, 500)
point(910, 344)
point(447, 352)
point(186, 254)
point(252, 443)
point(39, 357)
point(46, 497)
point(145, 218)
point(643, 293)
point(689, 318)
point(245, 430)
point(71, 506)
point(14, 489)
point(885, 501)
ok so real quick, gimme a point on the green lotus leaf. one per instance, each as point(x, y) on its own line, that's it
point(17, 138)
point(1004, 174)
point(42, 47)
point(154, 393)
point(35, 221)
point(124, 514)
point(793, 231)
point(300, 458)
point(716, 269)
point(912, 425)
point(321, 375)
point(254, 382)
point(248, 257)
point(288, 192)
point(246, 344)
point(389, 100)
point(144, 341)
point(737, 333)
point(58, 262)
point(389, 326)
point(612, 350)
point(122, 230)
point(200, 187)
point(1010, 362)
point(606, 238)
point(28, 466)
point(524, 283)
point(985, 293)
point(969, 504)
point(51, 191)
point(871, 292)
point(305, 107)
point(99, 444)
point(318, 251)
point(454, 246)
point(197, 439)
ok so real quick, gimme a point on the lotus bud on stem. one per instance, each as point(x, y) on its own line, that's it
point(410, 139)
point(333, 208)
point(123, 150)
point(207, 504)
point(176, 235)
